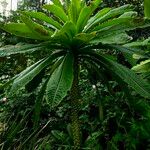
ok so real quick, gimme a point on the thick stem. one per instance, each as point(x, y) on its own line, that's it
point(74, 102)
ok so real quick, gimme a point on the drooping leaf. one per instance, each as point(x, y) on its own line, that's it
point(36, 28)
point(127, 75)
point(27, 75)
point(57, 11)
point(118, 38)
point(19, 48)
point(134, 81)
point(43, 17)
point(125, 50)
point(21, 30)
point(60, 81)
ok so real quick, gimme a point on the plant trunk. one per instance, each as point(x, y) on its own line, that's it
point(74, 102)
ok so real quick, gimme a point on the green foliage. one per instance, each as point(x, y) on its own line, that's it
point(142, 67)
point(57, 11)
point(27, 75)
point(43, 17)
point(60, 82)
point(147, 8)
point(71, 39)
point(69, 32)
point(141, 60)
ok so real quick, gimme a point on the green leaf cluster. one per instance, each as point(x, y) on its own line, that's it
point(74, 34)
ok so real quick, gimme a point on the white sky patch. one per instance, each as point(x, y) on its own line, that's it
point(11, 5)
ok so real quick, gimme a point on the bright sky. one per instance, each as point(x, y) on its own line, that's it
point(8, 8)
point(13, 6)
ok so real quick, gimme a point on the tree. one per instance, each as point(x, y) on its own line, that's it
point(75, 37)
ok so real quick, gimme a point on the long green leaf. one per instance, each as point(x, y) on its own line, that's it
point(43, 17)
point(57, 11)
point(85, 14)
point(105, 31)
point(107, 14)
point(127, 75)
point(60, 81)
point(36, 28)
point(74, 10)
point(27, 75)
point(116, 38)
point(92, 20)
point(133, 23)
point(113, 22)
point(134, 81)
point(20, 29)
point(125, 50)
point(19, 48)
